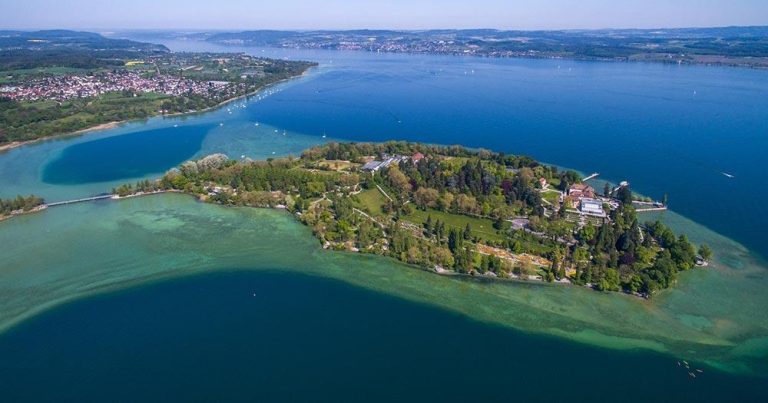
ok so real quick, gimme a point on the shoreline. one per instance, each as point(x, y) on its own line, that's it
point(762, 67)
point(101, 289)
point(115, 124)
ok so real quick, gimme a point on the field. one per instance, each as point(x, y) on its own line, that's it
point(371, 201)
point(336, 165)
point(551, 196)
point(481, 227)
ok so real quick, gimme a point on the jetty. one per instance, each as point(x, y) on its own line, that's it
point(593, 176)
point(649, 206)
point(647, 209)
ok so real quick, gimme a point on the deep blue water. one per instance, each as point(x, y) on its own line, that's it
point(127, 156)
point(243, 336)
point(636, 122)
point(665, 129)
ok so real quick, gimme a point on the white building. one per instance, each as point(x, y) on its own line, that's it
point(592, 207)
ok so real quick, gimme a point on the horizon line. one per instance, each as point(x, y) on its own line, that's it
point(94, 29)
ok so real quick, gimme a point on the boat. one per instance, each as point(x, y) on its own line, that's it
point(728, 175)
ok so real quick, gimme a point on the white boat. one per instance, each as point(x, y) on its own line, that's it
point(728, 175)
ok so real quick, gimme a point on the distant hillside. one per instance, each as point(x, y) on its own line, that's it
point(59, 39)
point(60, 48)
point(741, 46)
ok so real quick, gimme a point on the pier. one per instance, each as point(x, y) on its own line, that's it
point(593, 176)
point(647, 209)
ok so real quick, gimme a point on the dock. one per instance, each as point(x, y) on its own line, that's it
point(593, 176)
point(648, 209)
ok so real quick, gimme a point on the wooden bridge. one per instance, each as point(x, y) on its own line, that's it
point(83, 200)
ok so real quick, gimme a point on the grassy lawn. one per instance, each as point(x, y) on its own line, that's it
point(551, 196)
point(336, 165)
point(371, 200)
point(481, 227)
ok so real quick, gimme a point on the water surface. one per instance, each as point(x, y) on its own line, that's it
point(239, 336)
point(639, 122)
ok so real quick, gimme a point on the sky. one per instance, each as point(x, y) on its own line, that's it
point(394, 14)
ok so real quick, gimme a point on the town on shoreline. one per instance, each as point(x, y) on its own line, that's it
point(46, 102)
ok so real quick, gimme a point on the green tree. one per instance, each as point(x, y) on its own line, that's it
point(705, 252)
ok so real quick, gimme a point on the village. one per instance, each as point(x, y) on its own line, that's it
point(67, 87)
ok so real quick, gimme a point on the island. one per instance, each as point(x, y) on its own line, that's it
point(454, 211)
point(62, 82)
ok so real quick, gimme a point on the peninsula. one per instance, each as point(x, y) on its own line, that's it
point(69, 85)
point(454, 211)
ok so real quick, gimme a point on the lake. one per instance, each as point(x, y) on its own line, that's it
point(666, 129)
point(236, 336)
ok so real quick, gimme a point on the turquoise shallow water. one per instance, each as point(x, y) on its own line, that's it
point(297, 322)
point(637, 122)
